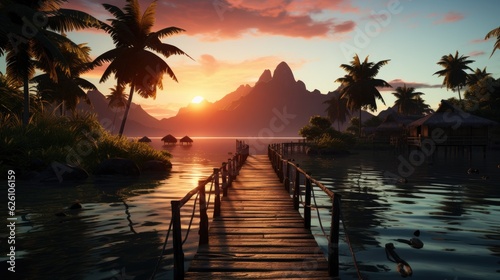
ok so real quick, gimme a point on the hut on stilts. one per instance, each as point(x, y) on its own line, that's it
point(169, 139)
point(186, 140)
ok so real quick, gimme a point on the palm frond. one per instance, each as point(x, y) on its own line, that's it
point(66, 20)
point(148, 18)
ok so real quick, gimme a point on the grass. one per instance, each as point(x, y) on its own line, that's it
point(78, 140)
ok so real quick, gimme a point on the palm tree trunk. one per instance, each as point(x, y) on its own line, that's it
point(26, 113)
point(459, 95)
point(360, 122)
point(122, 127)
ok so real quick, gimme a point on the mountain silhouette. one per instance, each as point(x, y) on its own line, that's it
point(276, 106)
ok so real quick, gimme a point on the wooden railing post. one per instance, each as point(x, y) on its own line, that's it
point(287, 176)
point(333, 245)
point(307, 206)
point(281, 175)
point(229, 172)
point(203, 214)
point(224, 178)
point(217, 193)
point(177, 240)
point(296, 189)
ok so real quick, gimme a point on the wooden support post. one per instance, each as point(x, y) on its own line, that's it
point(203, 214)
point(224, 178)
point(333, 245)
point(217, 193)
point(177, 240)
point(307, 206)
point(296, 189)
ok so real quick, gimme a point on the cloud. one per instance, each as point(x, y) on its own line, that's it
point(476, 53)
point(448, 17)
point(399, 83)
point(209, 64)
point(221, 19)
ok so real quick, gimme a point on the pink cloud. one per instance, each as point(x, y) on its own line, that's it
point(476, 53)
point(399, 83)
point(448, 17)
point(220, 19)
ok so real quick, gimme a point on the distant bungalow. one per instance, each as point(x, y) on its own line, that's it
point(186, 140)
point(169, 139)
point(450, 126)
point(144, 139)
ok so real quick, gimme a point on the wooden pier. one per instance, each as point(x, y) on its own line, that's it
point(259, 234)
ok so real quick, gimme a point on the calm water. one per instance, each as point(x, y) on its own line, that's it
point(458, 214)
point(120, 230)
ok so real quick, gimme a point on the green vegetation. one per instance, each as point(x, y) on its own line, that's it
point(78, 140)
point(323, 138)
point(30, 130)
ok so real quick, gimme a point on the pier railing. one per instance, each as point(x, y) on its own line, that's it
point(220, 180)
point(288, 171)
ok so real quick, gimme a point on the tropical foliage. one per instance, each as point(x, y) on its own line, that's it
point(454, 73)
point(69, 88)
point(78, 140)
point(321, 135)
point(359, 85)
point(136, 44)
point(337, 109)
point(494, 33)
point(409, 102)
point(40, 45)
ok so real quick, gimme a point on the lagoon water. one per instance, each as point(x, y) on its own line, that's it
point(120, 230)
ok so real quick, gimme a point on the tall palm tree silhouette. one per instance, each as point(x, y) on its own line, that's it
point(454, 73)
point(337, 109)
point(359, 85)
point(134, 60)
point(406, 100)
point(117, 99)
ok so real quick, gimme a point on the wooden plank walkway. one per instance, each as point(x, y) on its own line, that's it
point(259, 234)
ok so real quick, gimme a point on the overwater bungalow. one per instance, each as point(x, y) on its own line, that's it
point(394, 128)
point(450, 126)
point(145, 139)
point(169, 139)
point(186, 140)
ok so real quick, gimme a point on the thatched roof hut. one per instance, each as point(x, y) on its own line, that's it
point(186, 140)
point(145, 139)
point(169, 139)
point(457, 126)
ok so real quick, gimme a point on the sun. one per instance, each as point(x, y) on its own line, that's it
point(197, 99)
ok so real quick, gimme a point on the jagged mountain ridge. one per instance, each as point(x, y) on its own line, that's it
point(277, 105)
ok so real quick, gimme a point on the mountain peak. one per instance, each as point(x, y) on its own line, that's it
point(283, 73)
point(265, 77)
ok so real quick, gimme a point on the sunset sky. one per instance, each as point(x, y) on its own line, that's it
point(233, 41)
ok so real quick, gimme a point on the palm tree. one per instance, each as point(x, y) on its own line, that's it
point(454, 71)
point(406, 100)
point(69, 88)
point(337, 109)
point(492, 33)
point(134, 60)
point(359, 85)
point(422, 108)
point(29, 33)
point(117, 99)
point(477, 76)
